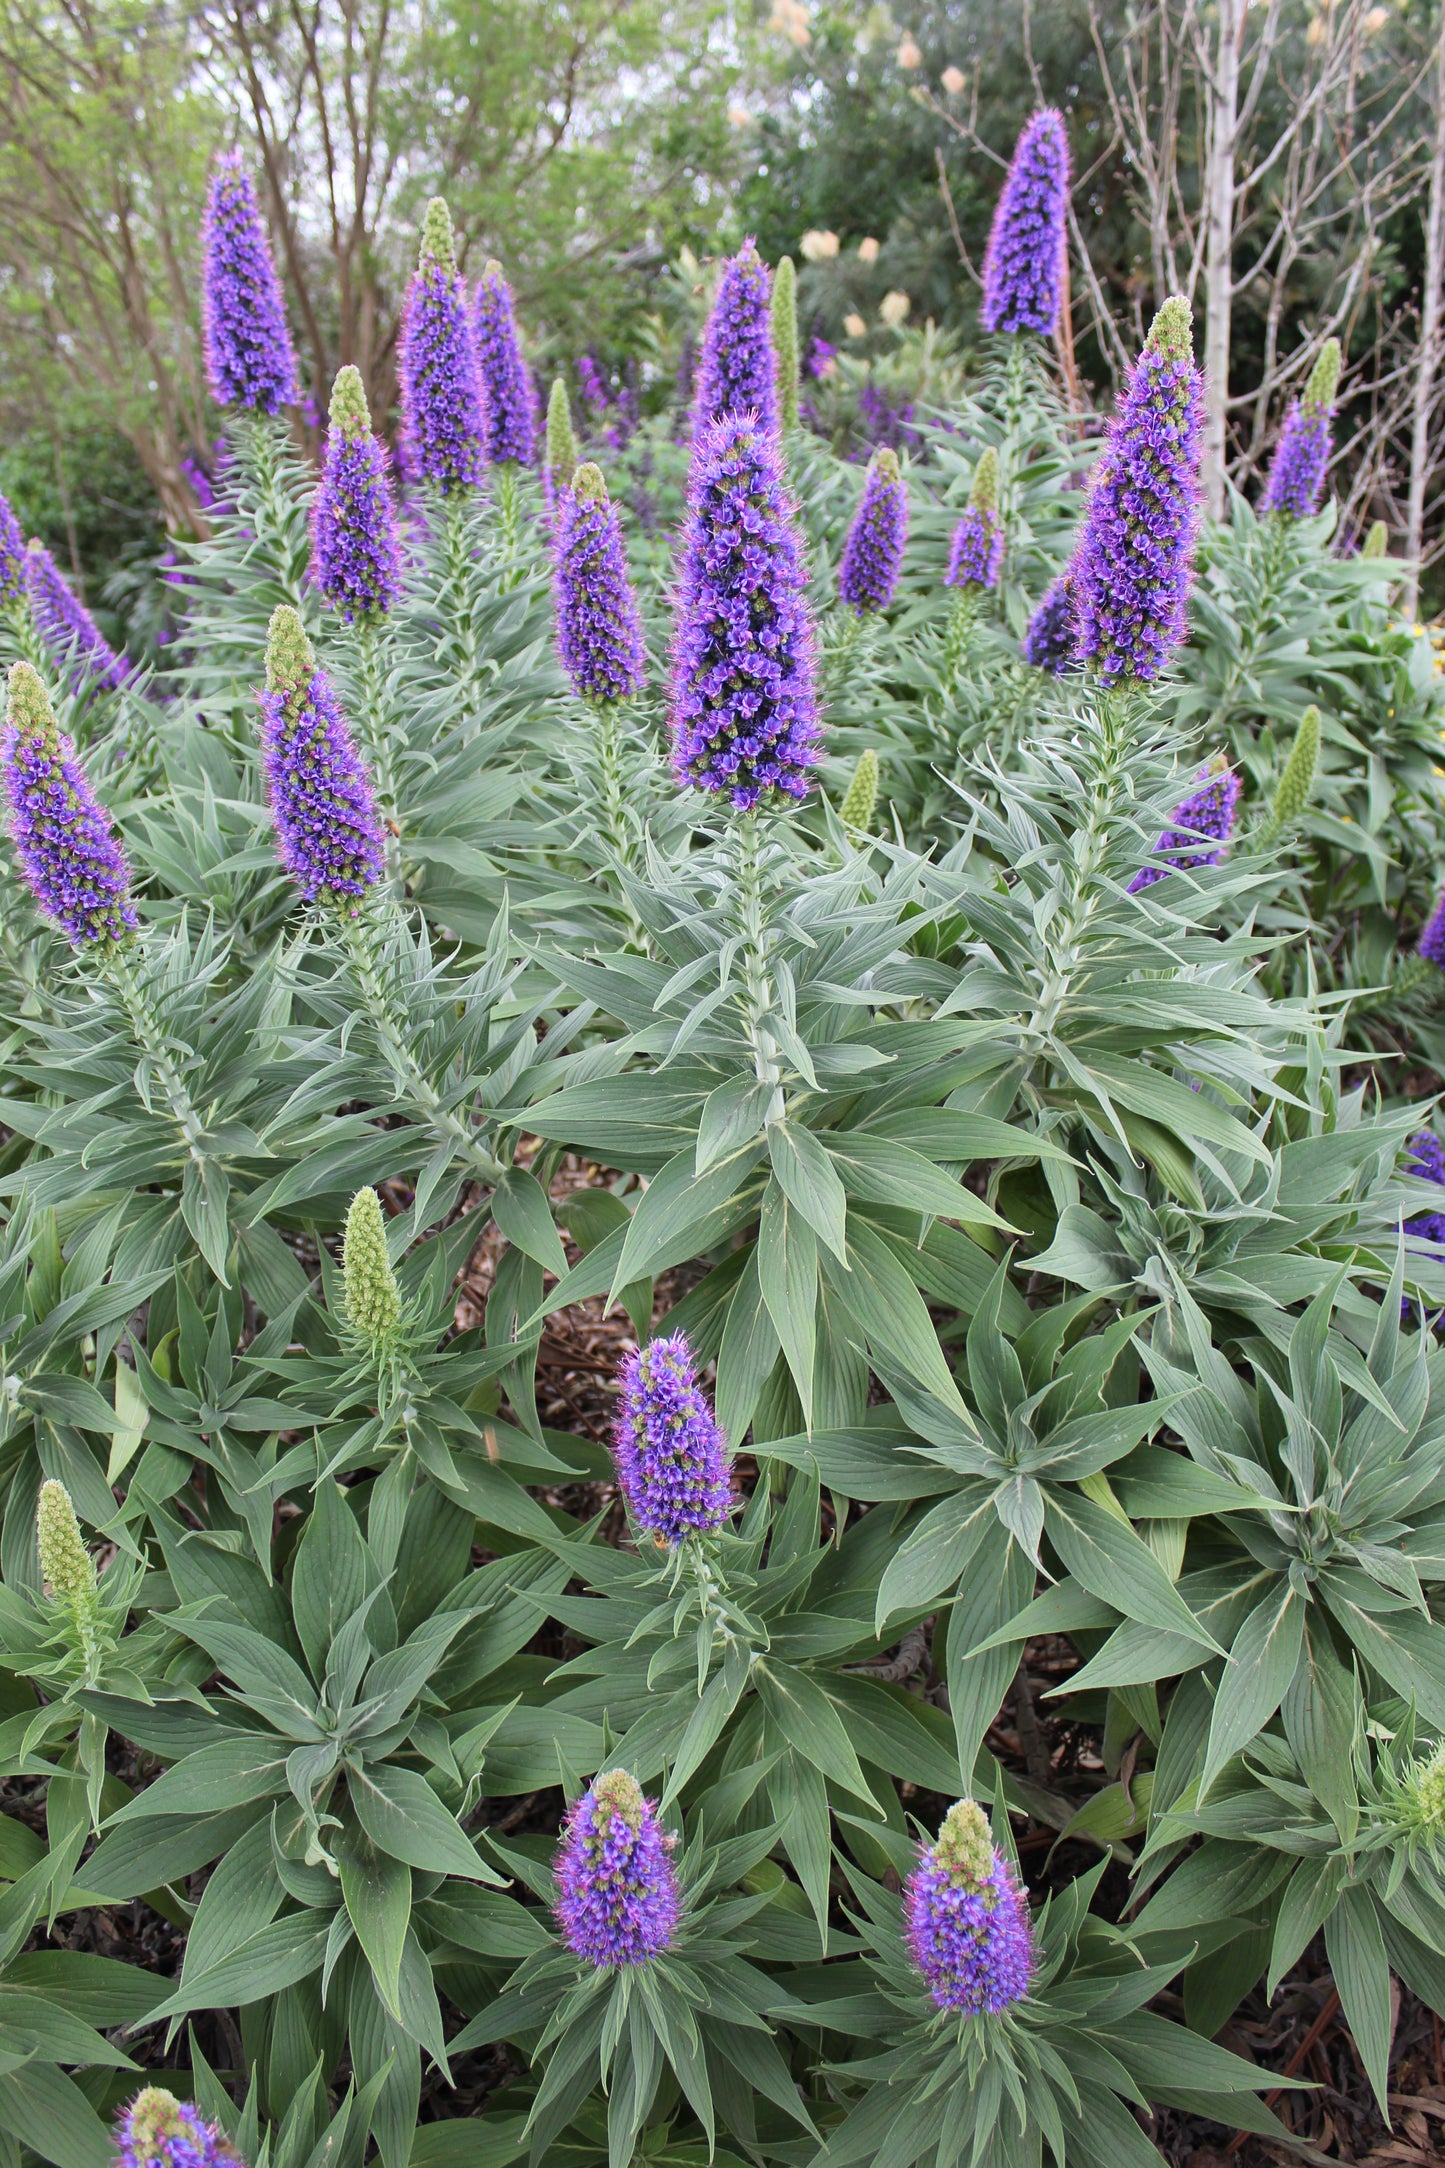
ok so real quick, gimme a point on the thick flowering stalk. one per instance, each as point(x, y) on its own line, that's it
point(356, 557)
point(13, 584)
point(443, 427)
point(1293, 790)
point(1133, 562)
point(736, 371)
point(967, 1921)
point(976, 557)
point(1297, 471)
point(1023, 269)
point(70, 633)
point(327, 834)
point(71, 862)
point(873, 552)
point(511, 425)
point(249, 357)
point(617, 1894)
point(1208, 812)
point(373, 1299)
point(599, 637)
point(158, 2131)
point(560, 456)
point(673, 1465)
point(745, 710)
point(785, 340)
point(1049, 636)
point(861, 797)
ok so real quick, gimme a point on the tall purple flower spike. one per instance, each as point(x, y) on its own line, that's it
point(1431, 944)
point(12, 557)
point(672, 1459)
point(1023, 269)
point(511, 415)
point(443, 424)
point(737, 369)
point(158, 2131)
point(745, 710)
point(1048, 641)
point(1297, 472)
point(1427, 1160)
point(966, 1919)
point(873, 553)
point(70, 633)
point(1209, 811)
point(598, 634)
point(975, 558)
point(328, 836)
point(71, 862)
point(249, 357)
point(617, 1894)
point(356, 557)
point(1136, 552)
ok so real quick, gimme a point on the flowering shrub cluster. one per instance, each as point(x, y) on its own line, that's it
point(680, 1338)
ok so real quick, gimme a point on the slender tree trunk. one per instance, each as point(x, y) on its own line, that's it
point(1219, 244)
point(1428, 362)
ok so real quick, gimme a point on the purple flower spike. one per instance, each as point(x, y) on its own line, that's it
point(158, 2131)
point(873, 553)
point(12, 557)
point(1427, 1160)
point(356, 560)
point(66, 626)
point(966, 1918)
point(511, 420)
point(598, 634)
point(1132, 565)
point(327, 834)
point(1297, 471)
point(737, 369)
point(1431, 944)
point(617, 1895)
point(1209, 812)
point(745, 711)
point(976, 557)
point(1023, 270)
point(71, 862)
point(249, 357)
point(672, 1459)
point(1048, 641)
point(443, 426)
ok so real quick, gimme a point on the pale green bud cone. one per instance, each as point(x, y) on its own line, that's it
point(785, 340)
point(290, 657)
point(1324, 377)
point(964, 1849)
point(373, 1301)
point(861, 796)
point(984, 494)
point(350, 414)
point(588, 484)
point(620, 1794)
point(438, 243)
point(561, 436)
point(1377, 541)
point(31, 715)
point(1292, 794)
point(67, 1565)
point(1172, 331)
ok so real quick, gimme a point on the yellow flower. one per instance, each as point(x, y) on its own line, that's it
point(953, 80)
point(854, 325)
point(893, 308)
point(818, 246)
point(868, 250)
point(909, 54)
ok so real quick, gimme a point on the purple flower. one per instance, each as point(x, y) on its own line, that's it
point(1024, 266)
point(158, 2131)
point(71, 862)
point(1132, 565)
point(356, 557)
point(745, 713)
point(873, 553)
point(617, 1895)
point(966, 1919)
point(327, 834)
point(1431, 944)
point(1209, 812)
point(598, 634)
point(1297, 471)
point(511, 419)
point(976, 557)
point(249, 358)
point(672, 1460)
point(1048, 641)
point(443, 426)
point(736, 371)
point(12, 557)
point(67, 627)
point(820, 357)
point(1427, 1160)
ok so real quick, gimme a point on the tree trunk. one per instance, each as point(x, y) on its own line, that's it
point(1219, 245)
point(1428, 362)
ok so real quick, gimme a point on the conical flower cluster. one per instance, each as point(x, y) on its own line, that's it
point(873, 552)
point(966, 1920)
point(12, 557)
point(443, 429)
point(373, 1299)
point(1049, 636)
point(785, 340)
point(1133, 562)
point(70, 860)
point(70, 633)
point(617, 1901)
point(1293, 792)
point(511, 423)
point(736, 371)
point(1023, 268)
point(159, 2131)
point(1427, 1161)
point(560, 455)
point(249, 357)
point(356, 560)
point(1297, 472)
point(327, 833)
point(745, 710)
point(599, 637)
point(860, 800)
point(1207, 812)
point(976, 557)
point(672, 1460)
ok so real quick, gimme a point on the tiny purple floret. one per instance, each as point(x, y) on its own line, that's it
point(155, 2130)
point(976, 556)
point(1048, 641)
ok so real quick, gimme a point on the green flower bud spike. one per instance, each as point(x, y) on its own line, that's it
point(350, 414)
point(1324, 378)
point(861, 797)
point(373, 1300)
point(1377, 541)
point(438, 243)
point(1292, 794)
point(984, 494)
point(71, 1581)
point(785, 340)
point(964, 1849)
point(589, 485)
point(561, 452)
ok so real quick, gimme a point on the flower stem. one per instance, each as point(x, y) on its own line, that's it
point(751, 914)
point(150, 1037)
